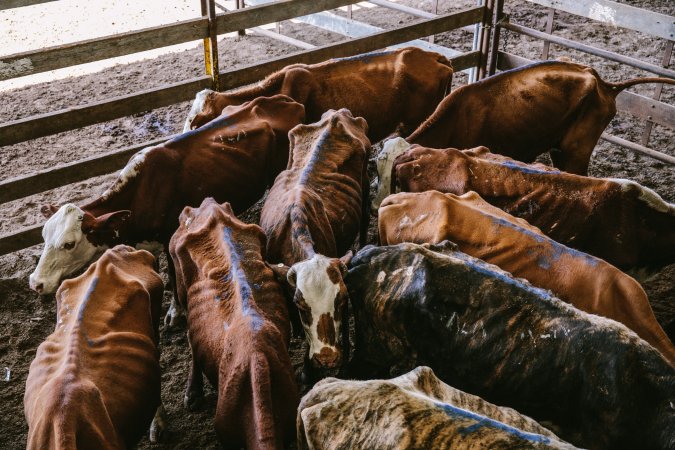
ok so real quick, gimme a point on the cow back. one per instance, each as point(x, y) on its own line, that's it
point(414, 410)
point(322, 187)
point(107, 318)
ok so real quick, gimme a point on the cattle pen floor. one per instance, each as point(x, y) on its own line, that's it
point(26, 319)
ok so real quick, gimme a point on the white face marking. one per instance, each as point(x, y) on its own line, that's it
point(66, 249)
point(319, 293)
point(197, 108)
point(391, 149)
point(129, 171)
point(648, 196)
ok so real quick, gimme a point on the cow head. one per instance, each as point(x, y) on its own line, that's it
point(391, 149)
point(206, 106)
point(321, 298)
point(72, 238)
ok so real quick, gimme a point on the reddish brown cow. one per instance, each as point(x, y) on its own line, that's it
point(234, 158)
point(617, 220)
point(238, 326)
point(107, 320)
point(393, 90)
point(524, 112)
point(312, 215)
point(488, 233)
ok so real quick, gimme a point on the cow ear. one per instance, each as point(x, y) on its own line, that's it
point(345, 260)
point(280, 271)
point(110, 222)
point(49, 210)
point(291, 277)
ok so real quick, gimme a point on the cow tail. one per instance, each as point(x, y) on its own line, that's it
point(616, 88)
point(265, 430)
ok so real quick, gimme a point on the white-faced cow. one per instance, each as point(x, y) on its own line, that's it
point(394, 90)
point(485, 332)
point(488, 233)
point(234, 158)
point(617, 220)
point(553, 106)
point(413, 411)
point(95, 381)
point(238, 326)
point(311, 216)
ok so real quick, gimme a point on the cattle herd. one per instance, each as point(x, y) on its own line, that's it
point(501, 277)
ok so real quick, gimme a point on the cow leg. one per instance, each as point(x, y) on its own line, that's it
point(175, 311)
point(346, 346)
point(309, 373)
point(158, 425)
point(194, 391)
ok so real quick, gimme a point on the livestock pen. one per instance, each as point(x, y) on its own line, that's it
point(487, 38)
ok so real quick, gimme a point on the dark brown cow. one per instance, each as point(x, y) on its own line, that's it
point(488, 233)
point(617, 220)
point(524, 112)
point(485, 332)
point(238, 326)
point(95, 381)
point(312, 215)
point(393, 90)
point(234, 158)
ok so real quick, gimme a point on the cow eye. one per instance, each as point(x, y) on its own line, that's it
point(69, 245)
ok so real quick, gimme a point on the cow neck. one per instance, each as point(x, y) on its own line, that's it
point(463, 215)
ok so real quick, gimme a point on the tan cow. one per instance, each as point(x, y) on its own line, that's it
point(95, 381)
point(552, 106)
point(394, 90)
point(488, 233)
point(413, 411)
point(238, 327)
point(617, 220)
point(234, 158)
point(311, 216)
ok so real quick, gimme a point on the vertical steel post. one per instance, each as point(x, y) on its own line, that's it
point(434, 9)
point(549, 30)
point(484, 38)
point(211, 43)
point(494, 40)
point(349, 11)
point(240, 5)
point(657, 93)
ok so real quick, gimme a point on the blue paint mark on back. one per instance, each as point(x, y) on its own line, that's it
point(528, 170)
point(83, 305)
point(484, 269)
point(239, 277)
point(557, 249)
point(316, 156)
point(366, 57)
point(483, 421)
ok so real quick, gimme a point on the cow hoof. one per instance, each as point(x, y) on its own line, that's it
point(174, 316)
point(193, 401)
point(158, 426)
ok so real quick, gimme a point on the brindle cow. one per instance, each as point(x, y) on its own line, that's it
point(485, 332)
point(238, 326)
point(234, 158)
point(311, 216)
point(617, 220)
point(488, 233)
point(413, 411)
point(394, 90)
point(552, 106)
point(95, 381)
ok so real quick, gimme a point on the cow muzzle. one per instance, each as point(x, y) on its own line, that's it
point(327, 358)
point(42, 287)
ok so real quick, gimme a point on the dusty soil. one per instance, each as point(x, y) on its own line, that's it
point(25, 319)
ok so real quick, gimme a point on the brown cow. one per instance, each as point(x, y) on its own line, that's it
point(524, 112)
point(234, 158)
point(311, 216)
point(95, 381)
point(238, 326)
point(393, 90)
point(617, 220)
point(488, 233)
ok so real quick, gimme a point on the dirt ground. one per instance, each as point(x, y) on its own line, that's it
point(26, 319)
